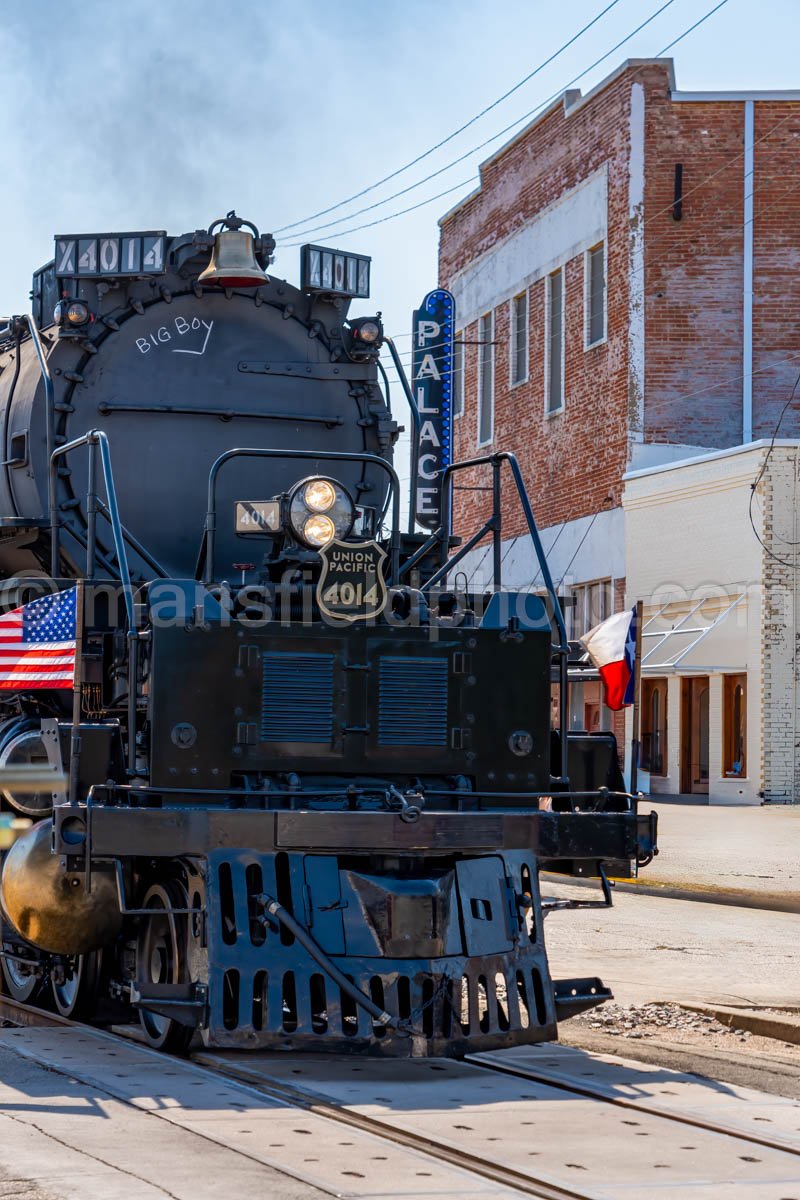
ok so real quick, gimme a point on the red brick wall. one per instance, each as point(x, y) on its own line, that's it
point(573, 463)
point(694, 302)
point(776, 299)
point(693, 292)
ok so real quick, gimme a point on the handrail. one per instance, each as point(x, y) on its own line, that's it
point(412, 404)
point(493, 525)
point(95, 439)
point(210, 530)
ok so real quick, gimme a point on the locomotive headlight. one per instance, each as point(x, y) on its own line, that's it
point(319, 495)
point(319, 511)
point(319, 530)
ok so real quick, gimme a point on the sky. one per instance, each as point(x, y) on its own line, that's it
point(165, 115)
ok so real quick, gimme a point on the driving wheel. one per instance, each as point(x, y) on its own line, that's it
point(161, 950)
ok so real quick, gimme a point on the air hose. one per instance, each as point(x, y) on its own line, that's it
point(379, 1015)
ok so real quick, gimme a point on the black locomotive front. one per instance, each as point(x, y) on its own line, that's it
point(308, 786)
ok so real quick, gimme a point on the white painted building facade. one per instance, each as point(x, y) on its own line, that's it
point(720, 694)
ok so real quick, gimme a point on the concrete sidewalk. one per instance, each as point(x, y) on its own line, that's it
point(735, 855)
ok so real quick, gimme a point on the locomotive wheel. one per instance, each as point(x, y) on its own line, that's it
point(19, 984)
point(161, 958)
point(76, 995)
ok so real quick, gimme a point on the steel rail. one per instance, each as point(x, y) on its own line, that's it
point(588, 1092)
point(19, 1013)
point(312, 1102)
point(30, 1015)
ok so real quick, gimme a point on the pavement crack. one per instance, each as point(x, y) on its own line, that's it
point(86, 1153)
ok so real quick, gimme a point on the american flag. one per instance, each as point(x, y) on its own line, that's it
point(37, 643)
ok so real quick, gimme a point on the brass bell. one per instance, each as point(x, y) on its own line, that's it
point(233, 262)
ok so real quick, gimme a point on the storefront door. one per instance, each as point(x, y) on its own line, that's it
point(694, 734)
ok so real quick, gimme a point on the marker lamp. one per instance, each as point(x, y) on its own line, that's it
point(71, 312)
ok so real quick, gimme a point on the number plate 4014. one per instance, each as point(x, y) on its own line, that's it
point(351, 585)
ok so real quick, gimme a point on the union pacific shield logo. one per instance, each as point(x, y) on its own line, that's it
point(351, 586)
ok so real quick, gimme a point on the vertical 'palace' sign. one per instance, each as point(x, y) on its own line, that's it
point(432, 371)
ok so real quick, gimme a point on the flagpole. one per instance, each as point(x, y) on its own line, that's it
point(75, 739)
point(637, 696)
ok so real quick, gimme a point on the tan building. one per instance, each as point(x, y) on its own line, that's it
point(720, 714)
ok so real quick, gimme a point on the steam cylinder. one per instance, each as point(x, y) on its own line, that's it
point(49, 906)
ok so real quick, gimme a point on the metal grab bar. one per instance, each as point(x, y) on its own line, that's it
point(208, 546)
point(95, 439)
point(414, 409)
point(493, 525)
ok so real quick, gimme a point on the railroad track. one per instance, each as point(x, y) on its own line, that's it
point(486, 1120)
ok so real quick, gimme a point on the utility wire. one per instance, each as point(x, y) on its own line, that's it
point(508, 128)
point(303, 234)
point(390, 216)
point(653, 216)
point(760, 476)
point(407, 166)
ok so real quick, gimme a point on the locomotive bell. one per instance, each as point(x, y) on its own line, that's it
point(49, 906)
point(233, 261)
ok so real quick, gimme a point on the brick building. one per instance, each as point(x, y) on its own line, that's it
point(627, 294)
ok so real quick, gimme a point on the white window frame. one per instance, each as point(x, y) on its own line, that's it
point(485, 346)
point(460, 391)
point(587, 297)
point(555, 412)
point(512, 382)
point(606, 582)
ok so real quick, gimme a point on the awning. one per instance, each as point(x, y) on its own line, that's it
point(700, 638)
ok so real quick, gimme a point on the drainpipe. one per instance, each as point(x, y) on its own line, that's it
point(747, 297)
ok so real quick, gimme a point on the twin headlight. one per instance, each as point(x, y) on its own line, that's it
point(319, 511)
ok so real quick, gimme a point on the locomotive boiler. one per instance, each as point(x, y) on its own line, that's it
point(303, 785)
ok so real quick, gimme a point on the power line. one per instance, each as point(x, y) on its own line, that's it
point(760, 476)
point(508, 128)
point(407, 166)
point(390, 216)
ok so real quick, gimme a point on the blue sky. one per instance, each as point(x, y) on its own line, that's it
point(166, 115)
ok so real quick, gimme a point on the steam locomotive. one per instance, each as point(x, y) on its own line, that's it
point(302, 789)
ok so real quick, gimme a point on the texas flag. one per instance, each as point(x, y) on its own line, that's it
point(611, 646)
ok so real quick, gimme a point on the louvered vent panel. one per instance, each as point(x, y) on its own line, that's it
point(412, 702)
point(297, 698)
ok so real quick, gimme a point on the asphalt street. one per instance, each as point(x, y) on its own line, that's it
point(649, 948)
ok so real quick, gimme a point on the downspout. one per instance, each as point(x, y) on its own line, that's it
point(747, 284)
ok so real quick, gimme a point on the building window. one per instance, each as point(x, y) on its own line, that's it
point(588, 605)
point(458, 373)
point(554, 347)
point(734, 725)
point(653, 751)
point(518, 350)
point(595, 296)
point(485, 379)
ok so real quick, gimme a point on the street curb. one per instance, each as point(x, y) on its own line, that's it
point(782, 1029)
point(769, 900)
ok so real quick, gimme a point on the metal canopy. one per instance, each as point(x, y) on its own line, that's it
point(693, 642)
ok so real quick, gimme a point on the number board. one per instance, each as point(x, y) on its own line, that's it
point(100, 255)
point(351, 585)
point(258, 516)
